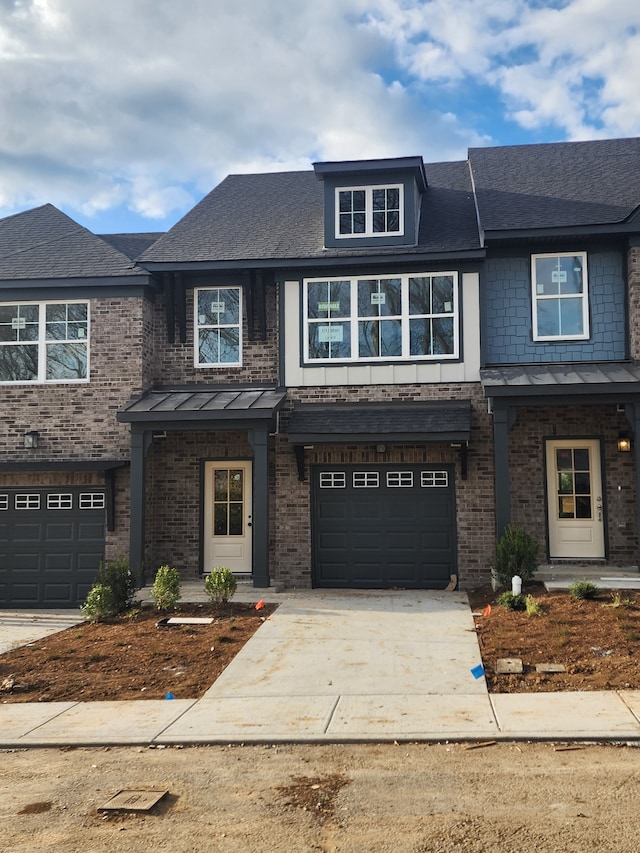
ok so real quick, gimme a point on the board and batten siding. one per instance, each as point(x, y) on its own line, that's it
point(297, 375)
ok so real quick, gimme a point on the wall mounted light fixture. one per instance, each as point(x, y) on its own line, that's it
point(624, 442)
point(31, 439)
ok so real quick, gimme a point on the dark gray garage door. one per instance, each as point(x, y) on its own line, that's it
point(51, 545)
point(378, 527)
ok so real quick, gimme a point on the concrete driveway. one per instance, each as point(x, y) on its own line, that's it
point(19, 627)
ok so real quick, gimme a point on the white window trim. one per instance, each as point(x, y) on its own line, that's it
point(42, 342)
point(368, 206)
point(353, 318)
point(197, 326)
point(536, 298)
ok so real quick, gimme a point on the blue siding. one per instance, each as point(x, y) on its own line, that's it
point(507, 314)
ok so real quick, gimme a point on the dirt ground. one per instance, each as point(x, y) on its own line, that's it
point(405, 798)
point(130, 658)
point(597, 641)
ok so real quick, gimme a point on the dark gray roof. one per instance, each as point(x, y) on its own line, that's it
point(410, 421)
point(200, 404)
point(132, 245)
point(561, 379)
point(556, 185)
point(280, 216)
point(44, 243)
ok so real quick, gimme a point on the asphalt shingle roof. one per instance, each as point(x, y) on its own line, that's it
point(280, 215)
point(44, 243)
point(132, 245)
point(555, 185)
point(427, 421)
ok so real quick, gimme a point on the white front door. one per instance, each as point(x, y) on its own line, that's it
point(227, 516)
point(575, 509)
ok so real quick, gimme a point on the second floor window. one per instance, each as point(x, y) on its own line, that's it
point(369, 211)
point(218, 324)
point(407, 317)
point(559, 297)
point(44, 342)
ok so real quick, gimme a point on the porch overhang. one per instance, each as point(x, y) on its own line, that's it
point(205, 407)
point(252, 408)
point(620, 381)
point(380, 423)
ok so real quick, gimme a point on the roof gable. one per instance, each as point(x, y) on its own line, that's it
point(556, 185)
point(44, 243)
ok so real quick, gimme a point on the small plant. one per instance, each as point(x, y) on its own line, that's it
point(166, 588)
point(99, 603)
point(511, 601)
point(220, 585)
point(532, 606)
point(618, 601)
point(516, 553)
point(584, 589)
point(117, 575)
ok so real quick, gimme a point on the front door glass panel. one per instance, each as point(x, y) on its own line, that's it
point(228, 502)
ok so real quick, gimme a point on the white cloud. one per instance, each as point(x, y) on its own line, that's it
point(570, 64)
point(96, 94)
point(146, 104)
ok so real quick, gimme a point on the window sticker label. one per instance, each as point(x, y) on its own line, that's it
point(378, 298)
point(559, 276)
point(217, 307)
point(18, 323)
point(331, 334)
point(328, 306)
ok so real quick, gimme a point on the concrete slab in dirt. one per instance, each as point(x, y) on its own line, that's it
point(109, 723)
point(252, 718)
point(19, 627)
point(596, 714)
point(409, 717)
point(509, 666)
point(17, 720)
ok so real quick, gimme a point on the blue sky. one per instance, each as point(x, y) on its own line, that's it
point(124, 114)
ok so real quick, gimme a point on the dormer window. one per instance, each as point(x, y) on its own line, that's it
point(371, 203)
point(375, 211)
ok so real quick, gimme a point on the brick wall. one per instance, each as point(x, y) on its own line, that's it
point(174, 494)
point(78, 420)
point(174, 363)
point(527, 463)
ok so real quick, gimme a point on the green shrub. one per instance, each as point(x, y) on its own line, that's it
point(584, 590)
point(117, 575)
point(166, 588)
point(99, 603)
point(512, 601)
point(516, 553)
point(220, 585)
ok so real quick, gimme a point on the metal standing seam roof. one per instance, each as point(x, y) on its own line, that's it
point(560, 379)
point(411, 421)
point(203, 405)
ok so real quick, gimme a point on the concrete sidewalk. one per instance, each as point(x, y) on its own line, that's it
point(331, 666)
